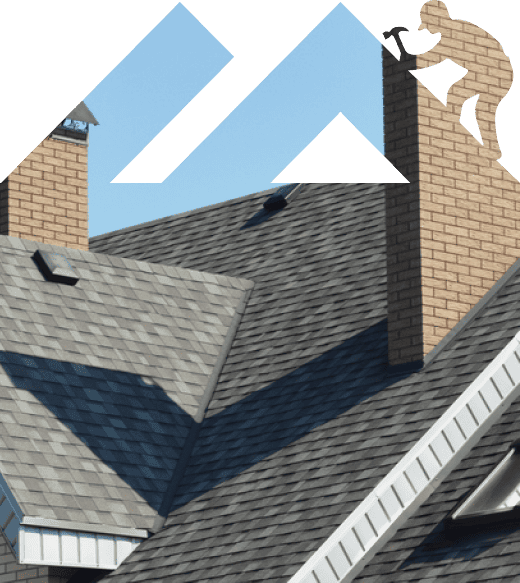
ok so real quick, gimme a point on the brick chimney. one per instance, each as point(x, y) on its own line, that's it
point(455, 229)
point(45, 199)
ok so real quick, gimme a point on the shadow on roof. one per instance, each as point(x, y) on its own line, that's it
point(288, 409)
point(131, 426)
point(440, 548)
point(260, 217)
point(138, 431)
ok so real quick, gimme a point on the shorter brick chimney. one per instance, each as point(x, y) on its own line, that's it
point(454, 230)
point(45, 199)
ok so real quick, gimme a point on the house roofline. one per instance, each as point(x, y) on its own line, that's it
point(190, 213)
point(84, 526)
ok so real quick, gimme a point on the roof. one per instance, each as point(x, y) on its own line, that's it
point(101, 380)
point(423, 550)
point(227, 368)
point(306, 418)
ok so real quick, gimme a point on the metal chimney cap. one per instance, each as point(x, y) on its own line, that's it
point(82, 113)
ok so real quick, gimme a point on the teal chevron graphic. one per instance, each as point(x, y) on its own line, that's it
point(249, 68)
point(43, 80)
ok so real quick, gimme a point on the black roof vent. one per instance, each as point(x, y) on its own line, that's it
point(275, 202)
point(56, 267)
point(279, 199)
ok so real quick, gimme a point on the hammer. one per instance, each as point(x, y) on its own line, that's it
point(395, 33)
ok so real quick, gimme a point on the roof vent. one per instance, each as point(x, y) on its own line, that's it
point(56, 267)
point(275, 202)
point(279, 199)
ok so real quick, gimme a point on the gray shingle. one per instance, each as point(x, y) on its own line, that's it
point(74, 412)
point(305, 420)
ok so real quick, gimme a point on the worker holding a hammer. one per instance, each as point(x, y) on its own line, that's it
point(434, 18)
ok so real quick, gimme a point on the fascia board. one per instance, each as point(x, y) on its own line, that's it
point(84, 526)
point(373, 523)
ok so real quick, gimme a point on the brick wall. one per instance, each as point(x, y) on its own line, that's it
point(455, 229)
point(46, 198)
point(12, 572)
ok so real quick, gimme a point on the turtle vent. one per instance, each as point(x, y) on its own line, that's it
point(275, 202)
point(56, 267)
point(279, 199)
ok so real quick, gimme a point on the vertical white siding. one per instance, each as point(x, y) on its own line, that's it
point(50, 546)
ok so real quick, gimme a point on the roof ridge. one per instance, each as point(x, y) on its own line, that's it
point(183, 214)
point(198, 420)
point(10, 244)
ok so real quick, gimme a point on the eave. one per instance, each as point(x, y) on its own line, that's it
point(41, 541)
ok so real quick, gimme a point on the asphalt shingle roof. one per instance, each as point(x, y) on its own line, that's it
point(422, 549)
point(306, 418)
point(100, 380)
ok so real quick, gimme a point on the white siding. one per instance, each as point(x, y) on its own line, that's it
point(49, 546)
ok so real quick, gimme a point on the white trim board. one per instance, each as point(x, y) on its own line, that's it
point(124, 531)
point(374, 522)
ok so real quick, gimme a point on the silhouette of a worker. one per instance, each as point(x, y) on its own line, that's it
point(439, 20)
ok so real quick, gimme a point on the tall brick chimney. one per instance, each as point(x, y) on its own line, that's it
point(455, 229)
point(45, 199)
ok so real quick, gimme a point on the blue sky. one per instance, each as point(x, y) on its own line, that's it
point(337, 68)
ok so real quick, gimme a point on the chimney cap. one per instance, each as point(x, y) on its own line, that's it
point(82, 113)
